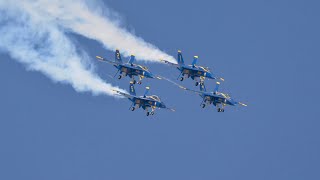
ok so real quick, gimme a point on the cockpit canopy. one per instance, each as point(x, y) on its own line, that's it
point(154, 97)
point(204, 68)
point(143, 67)
point(225, 95)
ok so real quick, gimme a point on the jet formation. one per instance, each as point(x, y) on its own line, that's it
point(150, 103)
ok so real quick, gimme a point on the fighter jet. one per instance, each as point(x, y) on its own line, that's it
point(218, 99)
point(197, 73)
point(153, 102)
point(129, 69)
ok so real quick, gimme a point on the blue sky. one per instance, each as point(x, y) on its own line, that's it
point(267, 51)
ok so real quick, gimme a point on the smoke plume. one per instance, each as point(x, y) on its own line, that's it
point(90, 21)
point(33, 32)
point(42, 45)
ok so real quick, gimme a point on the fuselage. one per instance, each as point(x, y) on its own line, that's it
point(134, 70)
point(218, 98)
point(147, 101)
point(195, 71)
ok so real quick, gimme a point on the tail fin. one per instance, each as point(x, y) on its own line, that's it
point(132, 59)
point(146, 92)
point(180, 58)
point(131, 89)
point(217, 87)
point(118, 56)
point(195, 60)
point(203, 87)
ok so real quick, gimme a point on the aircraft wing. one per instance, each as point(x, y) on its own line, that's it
point(106, 60)
point(170, 63)
point(123, 94)
point(184, 88)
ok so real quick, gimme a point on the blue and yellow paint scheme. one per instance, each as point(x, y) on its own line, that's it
point(193, 71)
point(218, 99)
point(145, 102)
point(129, 69)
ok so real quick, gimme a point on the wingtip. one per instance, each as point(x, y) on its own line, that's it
point(182, 87)
point(221, 79)
point(171, 109)
point(164, 61)
point(98, 57)
point(243, 104)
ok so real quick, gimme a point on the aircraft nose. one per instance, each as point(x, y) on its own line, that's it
point(148, 74)
point(163, 105)
point(210, 75)
point(233, 102)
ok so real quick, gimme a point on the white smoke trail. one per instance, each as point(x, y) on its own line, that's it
point(79, 18)
point(43, 46)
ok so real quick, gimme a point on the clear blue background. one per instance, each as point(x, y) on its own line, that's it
point(268, 52)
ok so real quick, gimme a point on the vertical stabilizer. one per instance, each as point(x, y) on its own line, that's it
point(180, 58)
point(202, 87)
point(195, 60)
point(132, 90)
point(216, 89)
point(118, 56)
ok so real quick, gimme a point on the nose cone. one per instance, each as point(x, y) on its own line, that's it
point(162, 105)
point(232, 102)
point(148, 74)
point(210, 75)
